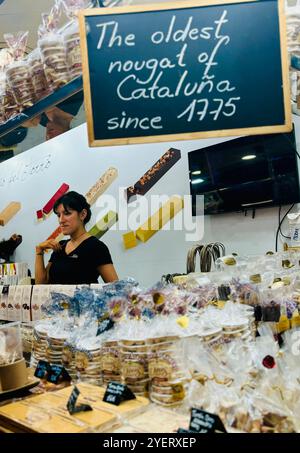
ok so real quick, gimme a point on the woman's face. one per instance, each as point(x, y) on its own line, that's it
point(69, 219)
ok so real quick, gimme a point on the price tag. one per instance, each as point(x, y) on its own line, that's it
point(71, 404)
point(42, 369)
point(56, 372)
point(53, 373)
point(205, 422)
point(5, 289)
point(116, 393)
point(105, 325)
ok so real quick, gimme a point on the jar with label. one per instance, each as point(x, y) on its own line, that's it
point(39, 343)
point(134, 365)
point(168, 372)
point(55, 345)
point(110, 362)
point(211, 336)
point(235, 329)
point(88, 361)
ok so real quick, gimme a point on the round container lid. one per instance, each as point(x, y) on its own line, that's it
point(210, 331)
point(235, 323)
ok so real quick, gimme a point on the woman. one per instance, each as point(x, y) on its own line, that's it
point(80, 259)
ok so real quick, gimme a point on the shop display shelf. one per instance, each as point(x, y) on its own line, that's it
point(39, 107)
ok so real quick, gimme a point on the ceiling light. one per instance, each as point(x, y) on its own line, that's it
point(196, 172)
point(197, 181)
point(249, 157)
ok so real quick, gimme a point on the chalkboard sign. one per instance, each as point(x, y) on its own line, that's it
point(185, 70)
point(53, 373)
point(205, 422)
point(42, 369)
point(116, 393)
point(73, 407)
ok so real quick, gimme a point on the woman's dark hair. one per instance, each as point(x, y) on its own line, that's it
point(75, 201)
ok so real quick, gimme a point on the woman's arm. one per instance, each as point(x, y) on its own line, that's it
point(42, 272)
point(108, 273)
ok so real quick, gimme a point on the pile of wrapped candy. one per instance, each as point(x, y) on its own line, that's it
point(269, 283)
point(252, 387)
point(25, 79)
point(181, 347)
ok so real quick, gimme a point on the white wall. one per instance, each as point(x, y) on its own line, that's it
point(73, 162)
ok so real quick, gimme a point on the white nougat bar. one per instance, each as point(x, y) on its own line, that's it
point(101, 185)
point(7, 214)
point(92, 195)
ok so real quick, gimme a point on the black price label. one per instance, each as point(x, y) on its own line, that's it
point(5, 289)
point(51, 372)
point(42, 369)
point(71, 404)
point(72, 400)
point(205, 422)
point(56, 372)
point(116, 393)
point(105, 325)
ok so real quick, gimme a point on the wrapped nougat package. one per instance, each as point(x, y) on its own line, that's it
point(18, 73)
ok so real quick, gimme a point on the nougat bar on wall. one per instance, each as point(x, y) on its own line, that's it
point(47, 209)
point(56, 234)
point(9, 212)
point(40, 215)
point(93, 194)
point(159, 218)
point(129, 240)
point(104, 224)
point(101, 185)
point(59, 193)
point(154, 174)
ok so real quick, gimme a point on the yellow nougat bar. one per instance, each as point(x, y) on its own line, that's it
point(159, 218)
point(8, 212)
point(129, 240)
point(104, 224)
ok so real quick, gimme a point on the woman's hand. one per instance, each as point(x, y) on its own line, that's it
point(46, 245)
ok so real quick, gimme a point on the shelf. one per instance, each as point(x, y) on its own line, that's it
point(48, 102)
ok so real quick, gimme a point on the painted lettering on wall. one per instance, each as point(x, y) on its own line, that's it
point(26, 171)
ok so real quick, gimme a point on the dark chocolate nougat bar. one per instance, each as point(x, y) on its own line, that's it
point(153, 175)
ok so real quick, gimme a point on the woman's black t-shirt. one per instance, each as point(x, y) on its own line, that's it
point(79, 266)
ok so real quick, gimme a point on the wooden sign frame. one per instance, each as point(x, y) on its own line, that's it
point(286, 127)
